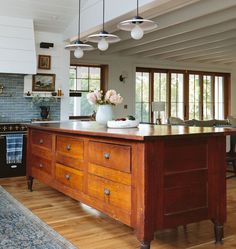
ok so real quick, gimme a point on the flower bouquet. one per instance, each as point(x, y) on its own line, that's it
point(104, 103)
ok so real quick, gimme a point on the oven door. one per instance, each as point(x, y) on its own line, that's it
point(14, 169)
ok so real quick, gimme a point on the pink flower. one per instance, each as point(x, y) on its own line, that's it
point(111, 97)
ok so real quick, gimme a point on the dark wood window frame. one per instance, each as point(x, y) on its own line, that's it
point(186, 73)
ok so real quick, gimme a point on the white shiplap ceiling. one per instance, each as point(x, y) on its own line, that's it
point(48, 15)
point(202, 31)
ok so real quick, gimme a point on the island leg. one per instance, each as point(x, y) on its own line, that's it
point(219, 232)
point(145, 245)
point(30, 183)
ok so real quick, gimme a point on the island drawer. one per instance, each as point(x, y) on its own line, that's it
point(112, 193)
point(42, 139)
point(70, 151)
point(69, 177)
point(110, 155)
point(73, 147)
point(41, 164)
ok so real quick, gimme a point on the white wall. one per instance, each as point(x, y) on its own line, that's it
point(118, 65)
point(17, 46)
point(60, 61)
point(233, 90)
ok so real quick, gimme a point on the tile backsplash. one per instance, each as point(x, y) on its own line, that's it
point(15, 107)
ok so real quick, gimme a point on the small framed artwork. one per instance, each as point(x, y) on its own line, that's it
point(44, 62)
point(43, 82)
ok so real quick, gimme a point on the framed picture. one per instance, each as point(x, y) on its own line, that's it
point(43, 82)
point(44, 62)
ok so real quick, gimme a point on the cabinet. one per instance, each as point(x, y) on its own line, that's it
point(150, 178)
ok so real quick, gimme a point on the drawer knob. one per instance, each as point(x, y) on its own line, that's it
point(107, 191)
point(68, 147)
point(106, 155)
point(67, 176)
point(40, 165)
point(40, 141)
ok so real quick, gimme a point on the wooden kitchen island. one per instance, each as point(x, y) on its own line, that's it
point(150, 178)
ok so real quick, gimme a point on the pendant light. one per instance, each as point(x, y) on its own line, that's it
point(79, 47)
point(103, 38)
point(137, 25)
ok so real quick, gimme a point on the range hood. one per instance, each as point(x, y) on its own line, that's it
point(17, 46)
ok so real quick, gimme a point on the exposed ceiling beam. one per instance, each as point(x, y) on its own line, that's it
point(173, 29)
point(207, 55)
point(202, 48)
point(215, 32)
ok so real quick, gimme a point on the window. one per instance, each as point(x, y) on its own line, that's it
point(177, 95)
point(82, 80)
point(194, 96)
point(219, 97)
point(160, 91)
point(142, 96)
point(208, 97)
point(188, 95)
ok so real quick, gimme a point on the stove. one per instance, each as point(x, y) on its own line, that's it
point(13, 127)
point(12, 169)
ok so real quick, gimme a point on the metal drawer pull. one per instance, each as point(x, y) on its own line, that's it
point(107, 191)
point(40, 141)
point(40, 165)
point(106, 155)
point(67, 176)
point(13, 166)
point(68, 147)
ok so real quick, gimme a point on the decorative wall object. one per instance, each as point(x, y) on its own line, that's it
point(44, 62)
point(43, 82)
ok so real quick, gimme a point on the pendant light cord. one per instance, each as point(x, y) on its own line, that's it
point(79, 23)
point(137, 8)
point(103, 16)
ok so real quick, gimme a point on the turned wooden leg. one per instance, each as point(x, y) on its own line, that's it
point(30, 183)
point(219, 232)
point(145, 245)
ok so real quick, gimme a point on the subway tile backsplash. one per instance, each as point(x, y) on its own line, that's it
point(15, 107)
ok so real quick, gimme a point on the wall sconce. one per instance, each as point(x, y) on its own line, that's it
point(123, 76)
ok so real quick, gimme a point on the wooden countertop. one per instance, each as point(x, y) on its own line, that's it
point(143, 132)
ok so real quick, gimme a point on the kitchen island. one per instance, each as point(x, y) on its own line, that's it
point(149, 178)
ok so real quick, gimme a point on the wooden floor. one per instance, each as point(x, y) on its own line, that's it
point(89, 229)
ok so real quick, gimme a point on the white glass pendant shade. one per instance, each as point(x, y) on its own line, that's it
point(103, 39)
point(78, 53)
point(137, 26)
point(137, 32)
point(103, 44)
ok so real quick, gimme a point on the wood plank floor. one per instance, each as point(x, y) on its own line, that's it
point(89, 229)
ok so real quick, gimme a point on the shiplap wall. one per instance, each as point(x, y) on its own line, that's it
point(17, 46)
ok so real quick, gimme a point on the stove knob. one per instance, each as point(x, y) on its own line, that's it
point(10, 128)
point(4, 128)
point(17, 127)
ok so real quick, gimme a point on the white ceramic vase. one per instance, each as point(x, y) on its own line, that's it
point(104, 114)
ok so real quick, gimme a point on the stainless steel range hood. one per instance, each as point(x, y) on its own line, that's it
point(17, 46)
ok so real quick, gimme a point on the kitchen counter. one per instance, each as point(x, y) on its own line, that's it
point(150, 178)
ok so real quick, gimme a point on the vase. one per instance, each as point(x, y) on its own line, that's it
point(44, 112)
point(104, 114)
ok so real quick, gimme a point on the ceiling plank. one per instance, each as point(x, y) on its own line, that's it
point(170, 29)
point(215, 32)
point(195, 49)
